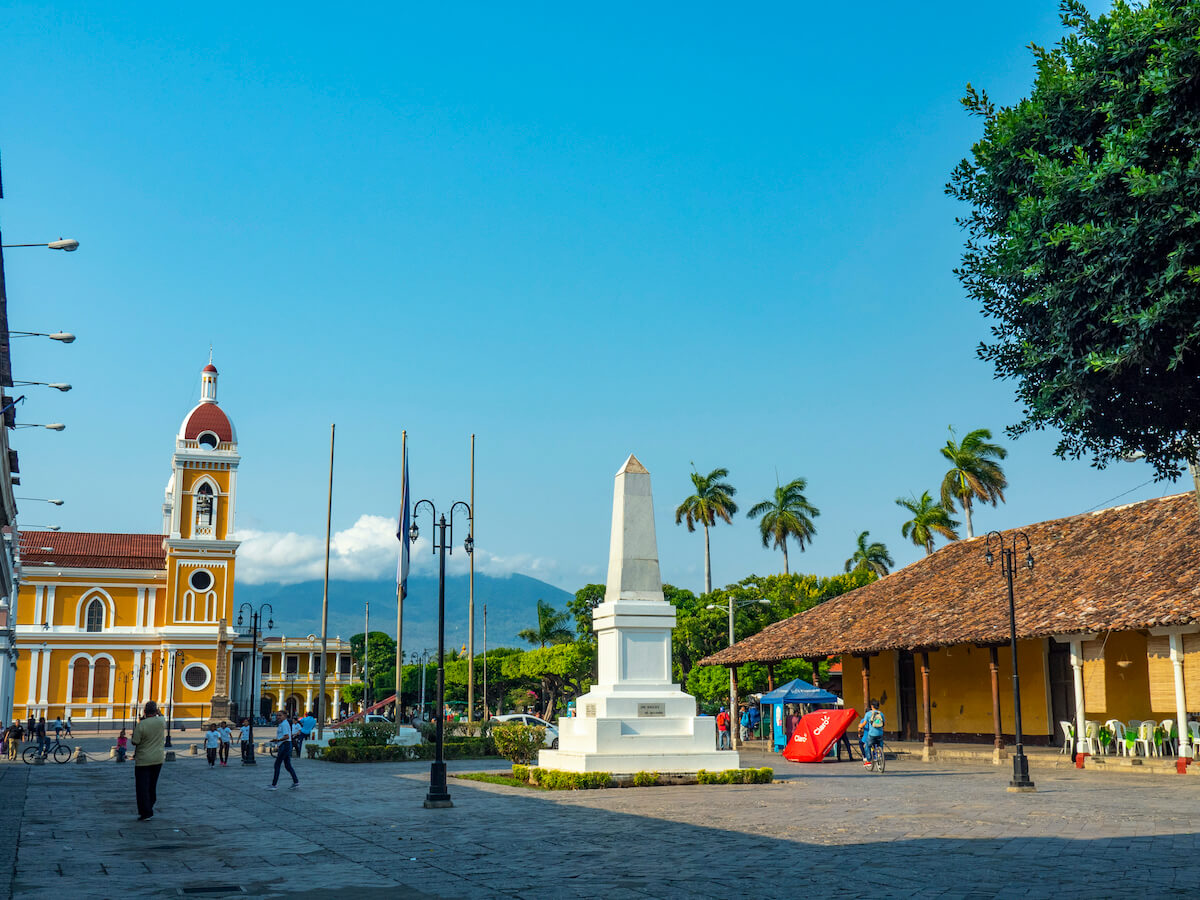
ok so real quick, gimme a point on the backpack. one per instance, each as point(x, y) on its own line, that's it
point(876, 720)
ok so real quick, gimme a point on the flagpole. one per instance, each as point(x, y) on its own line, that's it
point(366, 656)
point(486, 716)
point(471, 601)
point(399, 588)
point(325, 596)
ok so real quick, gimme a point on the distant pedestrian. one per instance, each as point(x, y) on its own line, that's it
point(212, 743)
point(283, 751)
point(30, 729)
point(58, 727)
point(755, 719)
point(244, 737)
point(226, 740)
point(723, 742)
point(744, 723)
point(122, 746)
point(148, 738)
point(15, 736)
point(43, 741)
point(67, 726)
point(307, 725)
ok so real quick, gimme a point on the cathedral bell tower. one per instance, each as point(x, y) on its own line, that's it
point(198, 511)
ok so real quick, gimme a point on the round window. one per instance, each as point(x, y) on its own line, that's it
point(208, 440)
point(195, 676)
point(200, 580)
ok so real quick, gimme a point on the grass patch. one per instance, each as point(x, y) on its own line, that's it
point(492, 778)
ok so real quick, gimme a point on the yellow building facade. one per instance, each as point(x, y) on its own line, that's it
point(106, 622)
point(291, 674)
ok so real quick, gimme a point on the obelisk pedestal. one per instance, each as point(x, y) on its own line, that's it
point(634, 719)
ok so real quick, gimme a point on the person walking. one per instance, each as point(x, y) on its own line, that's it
point(283, 751)
point(307, 725)
point(58, 727)
point(67, 725)
point(31, 728)
point(244, 737)
point(723, 742)
point(149, 736)
point(226, 739)
point(212, 743)
point(14, 738)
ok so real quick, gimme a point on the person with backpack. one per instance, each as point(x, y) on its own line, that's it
point(871, 729)
point(723, 742)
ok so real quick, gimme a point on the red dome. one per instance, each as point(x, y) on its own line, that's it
point(210, 368)
point(208, 417)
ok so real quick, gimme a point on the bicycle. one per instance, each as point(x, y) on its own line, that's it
point(878, 761)
point(58, 750)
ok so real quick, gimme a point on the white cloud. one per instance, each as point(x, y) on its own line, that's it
point(366, 550)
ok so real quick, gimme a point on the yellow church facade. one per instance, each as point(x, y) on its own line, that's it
point(106, 621)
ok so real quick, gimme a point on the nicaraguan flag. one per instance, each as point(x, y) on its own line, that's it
point(402, 533)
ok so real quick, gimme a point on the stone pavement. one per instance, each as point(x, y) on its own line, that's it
point(832, 830)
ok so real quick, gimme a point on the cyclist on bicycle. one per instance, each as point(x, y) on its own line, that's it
point(871, 731)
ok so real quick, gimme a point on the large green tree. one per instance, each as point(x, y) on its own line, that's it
point(713, 500)
point(870, 555)
point(580, 607)
point(787, 514)
point(551, 627)
point(1083, 235)
point(928, 518)
point(975, 473)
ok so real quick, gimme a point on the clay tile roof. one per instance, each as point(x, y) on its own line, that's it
point(1128, 567)
point(210, 368)
point(208, 417)
point(91, 550)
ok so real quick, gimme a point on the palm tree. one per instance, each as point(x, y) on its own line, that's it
point(975, 474)
point(713, 499)
point(551, 627)
point(873, 556)
point(786, 515)
point(927, 519)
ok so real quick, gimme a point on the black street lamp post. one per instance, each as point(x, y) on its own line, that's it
point(252, 699)
point(124, 696)
point(439, 795)
point(1008, 565)
point(177, 659)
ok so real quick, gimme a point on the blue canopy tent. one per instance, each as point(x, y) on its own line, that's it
point(798, 691)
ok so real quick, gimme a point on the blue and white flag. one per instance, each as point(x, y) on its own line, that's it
point(402, 533)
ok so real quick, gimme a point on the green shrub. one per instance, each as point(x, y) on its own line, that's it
point(521, 773)
point(645, 779)
point(519, 743)
point(376, 733)
point(354, 751)
point(736, 776)
point(556, 780)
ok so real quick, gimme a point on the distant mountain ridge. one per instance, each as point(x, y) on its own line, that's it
point(511, 606)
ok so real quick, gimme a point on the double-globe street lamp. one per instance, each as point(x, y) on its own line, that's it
point(731, 606)
point(252, 692)
point(439, 796)
point(1008, 565)
point(176, 660)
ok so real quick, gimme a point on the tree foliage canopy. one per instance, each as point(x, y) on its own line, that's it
point(1083, 242)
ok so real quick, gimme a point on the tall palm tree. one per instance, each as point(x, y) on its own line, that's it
point(928, 518)
point(788, 514)
point(975, 473)
point(551, 627)
point(873, 556)
point(713, 499)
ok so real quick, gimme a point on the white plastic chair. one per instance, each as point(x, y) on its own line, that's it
point(1145, 739)
point(1169, 745)
point(1117, 727)
point(1068, 737)
point(1091, 737)
point(1194, 731)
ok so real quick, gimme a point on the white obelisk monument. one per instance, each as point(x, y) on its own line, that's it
point(634, 719)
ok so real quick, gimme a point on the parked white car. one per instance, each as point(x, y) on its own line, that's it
point(551, 740)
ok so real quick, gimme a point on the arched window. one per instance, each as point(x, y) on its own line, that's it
point(100, 680)
point(95, 615)
point(79, 679)
point(204, 505)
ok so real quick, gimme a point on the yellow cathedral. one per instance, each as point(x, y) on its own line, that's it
point(106, 622)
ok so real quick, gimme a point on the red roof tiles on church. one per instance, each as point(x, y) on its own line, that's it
point(91, 550)
point(208, 417)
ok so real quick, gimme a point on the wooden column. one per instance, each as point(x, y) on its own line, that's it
point(994, 666)
point(770, 676)
point(866, 683)
point(928, 704)
point(816, 672)
point(735, 736)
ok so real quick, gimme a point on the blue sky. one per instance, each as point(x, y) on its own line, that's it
point(695, 235)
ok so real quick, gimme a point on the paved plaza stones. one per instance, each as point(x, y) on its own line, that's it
point(941, 829)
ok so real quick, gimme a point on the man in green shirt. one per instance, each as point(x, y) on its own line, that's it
point(149, 736)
